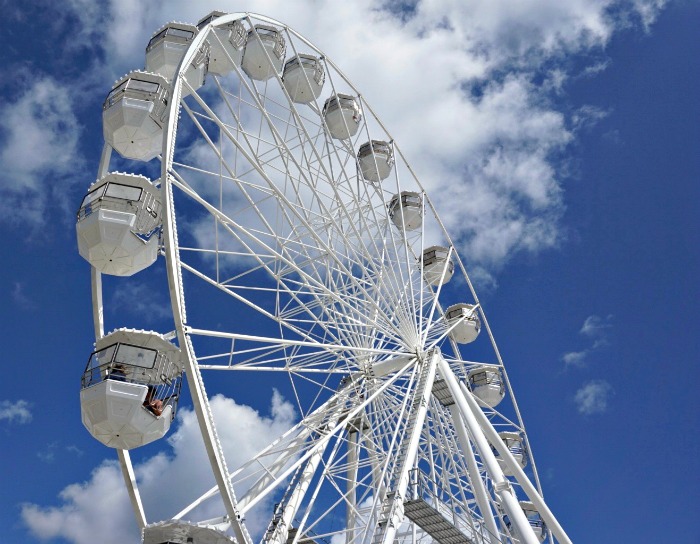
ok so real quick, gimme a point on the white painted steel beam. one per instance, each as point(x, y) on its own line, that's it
point(172, 260)
point(131, 487)
point(294, 501)
point(98, 323)
point(288, 342)
point(492, 435)
point(303, 429)
point(351, 498)
point(480, 494)
point(419, 409)
point(320, 444)
point(504, 490)
point(281, 532)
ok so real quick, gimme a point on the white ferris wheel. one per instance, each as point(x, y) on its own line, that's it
point(302, 253)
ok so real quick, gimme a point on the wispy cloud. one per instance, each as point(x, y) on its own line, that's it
point(575, 358)
point(596, 329)
point(50, 452)
point(74, 450)
point(15, 412)
point(592, 398)
point(139, 299)
point(39, 135)
point(587, 116)
point(19, 296)
point(648, 11)
point(594, 326)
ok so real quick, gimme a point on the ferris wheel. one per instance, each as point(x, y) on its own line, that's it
point(302, 254)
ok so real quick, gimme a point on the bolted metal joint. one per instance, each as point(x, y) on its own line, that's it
point(502, 486)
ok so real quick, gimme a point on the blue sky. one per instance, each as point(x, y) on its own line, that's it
point(580, 119)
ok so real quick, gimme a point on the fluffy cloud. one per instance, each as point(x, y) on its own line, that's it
point(15, 412)
point(39, 135)
point(167, 480)
point(98, 506)
point(592, 398)
point(459, 84)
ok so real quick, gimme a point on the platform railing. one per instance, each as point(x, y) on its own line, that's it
point(424, 488)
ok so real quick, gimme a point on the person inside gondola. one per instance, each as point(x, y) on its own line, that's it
point(117, 373)
point(151, 403)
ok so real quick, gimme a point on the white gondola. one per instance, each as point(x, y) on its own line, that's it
point(133, 115)
point(436, 266)
point(130, 388)
point(406, 210)
point(226, 43)
point(535, 520)
point(166, 49)
point(264, 52)
point(464, 321)
point(303, 77)
point(375, 159)
point(181, 532)
point(342, 115)
point(516, 446)
point(486, 384)
point(118, 224)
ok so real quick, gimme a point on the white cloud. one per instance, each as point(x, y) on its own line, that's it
point(596, 327)
point(648, 10)
point(167, 480)
point(50, 452)
point(592, 397)
point(142, 300)
point(588, 116)
point(484, 281)
point(96, 507)
point(48, 455)
point(575, 358)
point(597, 330)
point(20, 297)
point(74, 450)
point(39, 136)
point(453, 81)
point(15, 412)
